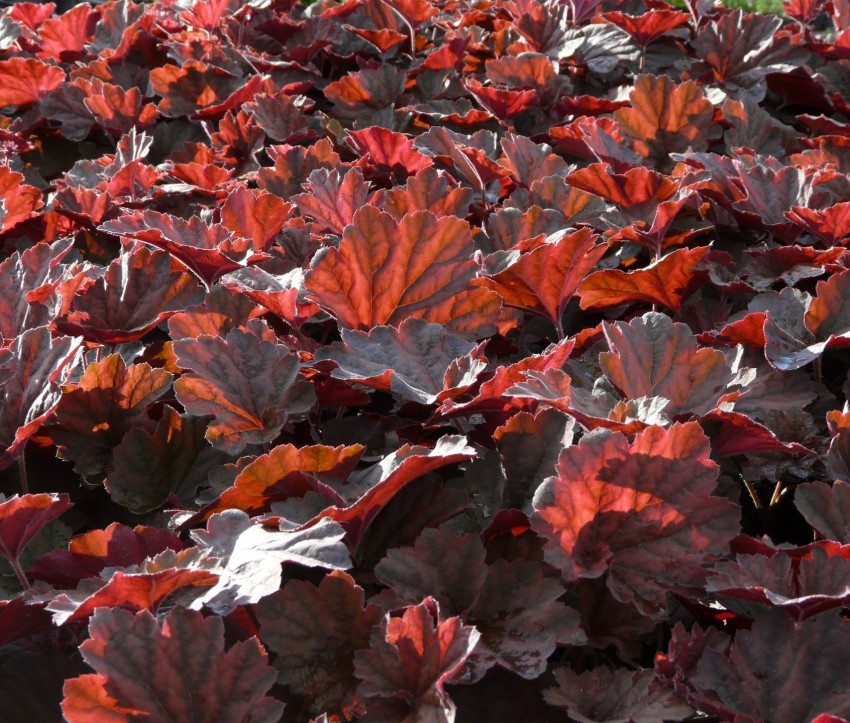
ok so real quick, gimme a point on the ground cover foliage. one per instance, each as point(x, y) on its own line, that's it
point(396, 360)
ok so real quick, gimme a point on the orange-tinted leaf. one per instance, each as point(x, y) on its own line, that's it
point(666, 118)
point(529, 70)
point(316, 631)
point(332, 199)
point(90, 552)
point(652, 356)
point(358, 95)
point(544, 279)
point(503, 104)
point(196, 85)
point(193, 679)
point(668, 281)
point(27, 80)
point(255, 216)
point(282, 295)
point(138, 291)
point(221, 311)
point(117, 110)
point(30, 375)
point(649, 26)
point(831, 225)
point(383, 152)
point(210, 251)
point(428, 190)
point(133, 591)
point(281, 117)
point(409, 660)
point(286, 471)
point(384, 272)
point(640, 514)
point(249, 385)
point(93, 416)
point(21, 517)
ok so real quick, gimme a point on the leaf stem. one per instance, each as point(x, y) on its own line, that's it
point(22, 467)
point(16, 566)
point(751, 490)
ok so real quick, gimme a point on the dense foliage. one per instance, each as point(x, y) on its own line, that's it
point(402, 360)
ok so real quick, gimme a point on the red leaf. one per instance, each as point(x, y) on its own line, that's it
point(30, 376)
point(210, 251)
point(24, 81)
point(281, 117)
point(89, 553)
point(428, 190)
point(408, 662)
point(544, 279)
point(358, 95)
point(138, 291)
point(21, 517)
point(255, 216)
point(652, 356)
point(649, 26)
point(384, 152)
point(63, 38)
point(93, 416)
point(332, 199)
point(831, 225)
point(369, 491)
point(629, 511)
point(249, 385)
point(668, 281)
point(286, 471)
point(19, 200)
point(504, 104)
point(194, 679)
point(384, 272)
point(196, 85)
point(316, 631)
point(117, 110)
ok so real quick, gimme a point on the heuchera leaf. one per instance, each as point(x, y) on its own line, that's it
point(27, 80)
point(384, 272)
point(172, 459)
point(255, 216)
point(333, 198)
point(22, 516)
point(544, 279)
point(90, 552)
point(756, 676)
point(428, 190)
point(250, 556)
point(138, 291)
point(418, 361)
point(666, 118)
point(667, 281)
point(804, 581)
point(826, 508)
point(196, 85)
point(286, 471)
point(649, 26)
point(602, 695)
point(316, 631)
point(30, 375)
point(383, 152)
point(193, 678)
point(93, 416)
point(409, 660)
point(208, 251)
point(19, 200)
point(653, 356)
point(628, 511)
point(248, 384)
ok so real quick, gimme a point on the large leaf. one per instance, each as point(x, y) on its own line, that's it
point(384, 272)
point(409, 660)
point(316, 631)
point(93, 416)
point(248, 384)
point(173, 670)
point(30, 375)
point(642, 514)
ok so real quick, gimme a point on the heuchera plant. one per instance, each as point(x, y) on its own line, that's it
point(424, 360)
